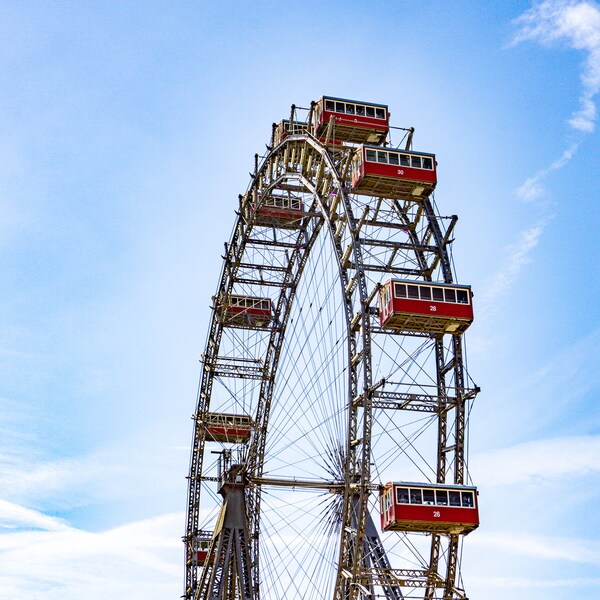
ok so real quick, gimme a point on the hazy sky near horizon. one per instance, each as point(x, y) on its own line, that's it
point(129, 129)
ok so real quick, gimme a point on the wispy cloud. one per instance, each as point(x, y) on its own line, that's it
point(62, 481)
point(496, 287)
point(550, 397)
point(576, 23)
point(14, 516)
point(518, 255)
point(531, 583)
point(123, 470)
point(538, 460)
point(517, 564)
point(544, 547)
point(532, 187)
point(46, 558)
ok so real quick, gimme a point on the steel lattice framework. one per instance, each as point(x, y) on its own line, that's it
point(339, 404)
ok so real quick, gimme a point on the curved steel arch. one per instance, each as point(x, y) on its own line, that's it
point(321, 171)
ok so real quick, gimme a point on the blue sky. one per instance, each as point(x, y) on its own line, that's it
point(129, 129)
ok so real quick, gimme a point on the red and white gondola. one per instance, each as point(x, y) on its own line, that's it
point(229, 428)
point(353, 121)
point(434, 508)
point(247, 311)
point(198, 553)
point(391, 173)
point(423, 306)
point(281, 210)
point(286, 127)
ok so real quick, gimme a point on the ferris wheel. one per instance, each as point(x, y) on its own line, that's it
point(330, 434)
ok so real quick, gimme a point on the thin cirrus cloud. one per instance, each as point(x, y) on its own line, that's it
point(543, 547)
point(559, 392)
point(577, 24)
point(532, 187)
point(42, 557)
point(539, 460)
point(62, 483)
point(15, 516)
point(517, 257)
point(530, 583)
point(575, 558)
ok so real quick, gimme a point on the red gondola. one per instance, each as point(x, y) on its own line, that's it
point(353, 121)
point(425, 306)
point(390, 173)
point(224, 427)
point(285, 127)
point(247, 311)
point(435, 508)
point(281, 210)
point(199, 555)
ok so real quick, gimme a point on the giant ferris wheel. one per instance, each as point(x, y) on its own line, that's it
point(329, 456)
